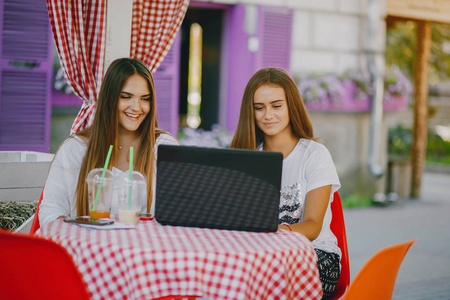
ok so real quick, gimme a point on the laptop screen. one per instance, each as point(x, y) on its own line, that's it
point(218, 188)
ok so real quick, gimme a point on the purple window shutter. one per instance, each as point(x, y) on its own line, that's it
point(240, 63)
point(167, 85)
point(274, 32)
point(25, 75)
point(274, 35)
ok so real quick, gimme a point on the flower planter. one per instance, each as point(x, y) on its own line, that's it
point(394, 103)
point(351, 92)
point(319, 105)
point(349, 103)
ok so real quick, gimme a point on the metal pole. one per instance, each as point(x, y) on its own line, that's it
point(376, 74)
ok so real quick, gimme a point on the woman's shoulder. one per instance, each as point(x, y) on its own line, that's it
point(70, 152)
point(166, 138)
point(74, 140)
point(83, 138)
point(72, 144)
point(308, 143)
point(312, 146)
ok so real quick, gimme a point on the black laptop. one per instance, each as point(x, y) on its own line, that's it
point(219, 188)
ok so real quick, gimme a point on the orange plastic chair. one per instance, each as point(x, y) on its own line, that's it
point(36, 268)
point(376, 279)
point(338, 228)
point(35, 225)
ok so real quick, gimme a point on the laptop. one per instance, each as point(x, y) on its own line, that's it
point(218, 188)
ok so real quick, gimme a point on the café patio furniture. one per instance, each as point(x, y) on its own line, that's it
point(376, 279)
point(37, 268)
point(152, 261)
point(338, 228)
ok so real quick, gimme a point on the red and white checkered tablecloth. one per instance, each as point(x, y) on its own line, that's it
point(153, 261)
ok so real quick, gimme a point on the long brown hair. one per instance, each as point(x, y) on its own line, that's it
point(104, 130)
point(248, 135)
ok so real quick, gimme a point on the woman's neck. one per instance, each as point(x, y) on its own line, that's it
point(127, 139)
point(280, 143)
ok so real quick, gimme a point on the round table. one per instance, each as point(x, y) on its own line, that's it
point(151, 261)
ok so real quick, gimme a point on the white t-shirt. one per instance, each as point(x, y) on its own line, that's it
point(307, 167)
point(60, 187)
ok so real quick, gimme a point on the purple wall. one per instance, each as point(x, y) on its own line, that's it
point(241, 64)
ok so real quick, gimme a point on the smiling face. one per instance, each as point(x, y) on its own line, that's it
point(134, 103)
point(271, 111)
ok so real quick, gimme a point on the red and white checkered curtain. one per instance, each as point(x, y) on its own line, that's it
point(79, 32)
point(154, 28)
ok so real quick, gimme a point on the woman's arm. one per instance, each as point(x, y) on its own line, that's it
point(59, 192)
point(316, 204)
point(166, 139)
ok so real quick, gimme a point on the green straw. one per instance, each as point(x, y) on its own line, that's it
point(131, 177)
point(103, 177)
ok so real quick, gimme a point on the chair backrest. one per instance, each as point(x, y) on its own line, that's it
point(35, 225)
point(377, 277)
point(36, 268)
point(338, 228)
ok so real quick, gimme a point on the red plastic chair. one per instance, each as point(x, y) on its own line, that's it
point(338, 228)
point(35, 225)
point(376, 280)
point(36, 268)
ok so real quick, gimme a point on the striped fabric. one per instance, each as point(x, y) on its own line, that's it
point(154, 28)
point(79, 27)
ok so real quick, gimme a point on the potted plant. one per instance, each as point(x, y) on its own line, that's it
point(352, 91)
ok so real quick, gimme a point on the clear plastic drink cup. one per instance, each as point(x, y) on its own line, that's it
point(132, 196)
point(101, 209)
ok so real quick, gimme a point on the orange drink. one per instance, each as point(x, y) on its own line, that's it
point(100, 193)
point(99, 214)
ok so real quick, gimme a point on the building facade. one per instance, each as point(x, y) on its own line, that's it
point(238, 38)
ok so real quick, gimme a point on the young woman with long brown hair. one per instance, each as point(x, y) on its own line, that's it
point(125, 117)
point(274, 118)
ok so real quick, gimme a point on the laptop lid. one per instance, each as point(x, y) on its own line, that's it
point(218, 188)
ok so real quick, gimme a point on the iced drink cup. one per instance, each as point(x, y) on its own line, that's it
point(130, 207)
point(102, 208)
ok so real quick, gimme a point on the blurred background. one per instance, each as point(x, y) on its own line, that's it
point(354, 61)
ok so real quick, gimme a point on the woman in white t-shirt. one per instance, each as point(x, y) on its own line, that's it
point(125, 117)
point(273, 118)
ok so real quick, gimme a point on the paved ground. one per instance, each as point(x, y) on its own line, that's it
point(425, 271)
